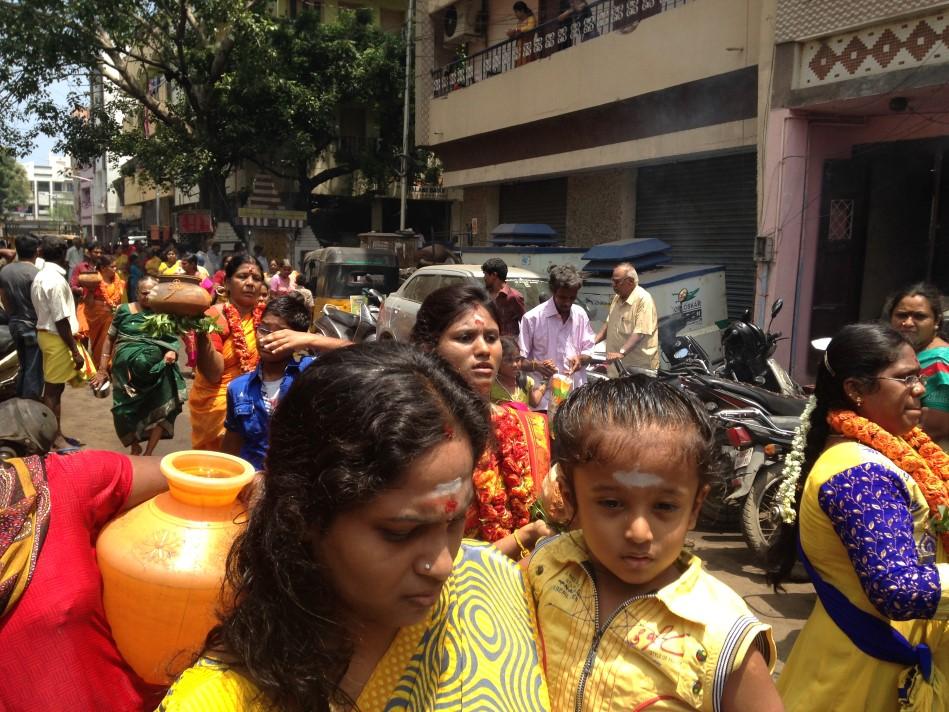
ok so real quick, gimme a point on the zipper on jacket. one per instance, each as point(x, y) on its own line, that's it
point(598, 631)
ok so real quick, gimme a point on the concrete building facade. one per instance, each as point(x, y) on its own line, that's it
point(634, 119)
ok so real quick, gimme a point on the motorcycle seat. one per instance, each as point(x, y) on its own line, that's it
point(786, 422)
point(773, 403)
point(343, 317)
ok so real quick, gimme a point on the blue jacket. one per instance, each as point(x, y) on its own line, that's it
point(247, 412)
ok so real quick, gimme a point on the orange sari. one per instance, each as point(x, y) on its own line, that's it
point(208, 400)
point(98, 313)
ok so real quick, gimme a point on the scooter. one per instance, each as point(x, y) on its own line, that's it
point(358, 328)
point(748, 350)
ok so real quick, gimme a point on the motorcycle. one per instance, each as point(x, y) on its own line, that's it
point(358, 328)
point(27, 427)
point(9, 364)
point(756, 429)
point(746, 347)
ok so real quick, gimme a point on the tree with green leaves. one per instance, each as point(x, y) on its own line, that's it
point(15, 189)
point(247, 88)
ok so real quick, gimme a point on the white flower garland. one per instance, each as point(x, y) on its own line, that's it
point(792, 465)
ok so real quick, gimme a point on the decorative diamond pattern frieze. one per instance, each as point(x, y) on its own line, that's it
point(875, 50)
point(799, 19)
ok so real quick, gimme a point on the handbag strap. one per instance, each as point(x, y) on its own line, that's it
point(873, 636)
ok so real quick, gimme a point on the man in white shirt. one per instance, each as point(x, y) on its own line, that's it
point(74, 255)
point(56, 324)
point(632, 328)
point(212, 258)
point(556, 336)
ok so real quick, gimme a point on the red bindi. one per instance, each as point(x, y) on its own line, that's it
point(450, 506)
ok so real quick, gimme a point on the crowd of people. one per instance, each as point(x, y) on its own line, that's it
point(408, 548)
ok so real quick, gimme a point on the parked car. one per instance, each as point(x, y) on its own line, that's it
point(397, 315)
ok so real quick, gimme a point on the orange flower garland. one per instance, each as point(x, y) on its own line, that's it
point(504, 488)
point(916, 454)
point(111, 294)
point(233, 317)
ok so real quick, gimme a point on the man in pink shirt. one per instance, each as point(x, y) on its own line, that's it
point(556, 336)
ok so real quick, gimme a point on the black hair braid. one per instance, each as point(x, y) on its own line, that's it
point(858, 352)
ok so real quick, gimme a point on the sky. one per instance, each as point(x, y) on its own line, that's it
point(44, 144)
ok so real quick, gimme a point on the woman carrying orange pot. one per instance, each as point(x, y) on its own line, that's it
point(352, 587)
point(55, 641)
point(222, 357)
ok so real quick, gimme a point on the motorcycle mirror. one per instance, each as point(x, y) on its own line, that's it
point(821, 344)
point(746, 317)
point(776, 307)
point(374, 295)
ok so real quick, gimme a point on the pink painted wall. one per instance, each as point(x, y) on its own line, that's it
point(796, 148)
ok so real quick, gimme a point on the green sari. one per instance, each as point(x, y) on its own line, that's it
point(146, 391)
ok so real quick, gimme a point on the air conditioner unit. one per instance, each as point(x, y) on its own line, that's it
point(459, 23)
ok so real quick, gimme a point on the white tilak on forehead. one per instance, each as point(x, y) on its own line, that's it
point(448, 488)
point(634, 478)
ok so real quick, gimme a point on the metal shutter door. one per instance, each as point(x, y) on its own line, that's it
point(707, 211)
point(539, 201)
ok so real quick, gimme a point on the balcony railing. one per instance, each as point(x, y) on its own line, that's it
point(588, 23)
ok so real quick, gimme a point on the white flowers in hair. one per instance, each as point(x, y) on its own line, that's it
point(792, 465)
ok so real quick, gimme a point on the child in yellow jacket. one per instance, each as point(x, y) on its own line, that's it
point(628, 619)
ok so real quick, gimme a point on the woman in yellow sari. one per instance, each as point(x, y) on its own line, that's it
point(222, 357)
point(101, 303)
point(460, 324)
point(352, 587)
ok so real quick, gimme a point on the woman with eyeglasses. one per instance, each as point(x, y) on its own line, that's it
point(916, 312)
point(251, 398)
point(870, 512)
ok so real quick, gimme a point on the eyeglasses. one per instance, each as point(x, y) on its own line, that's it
point(910, 381)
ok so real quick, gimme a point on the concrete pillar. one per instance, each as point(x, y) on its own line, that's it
point(375, 220)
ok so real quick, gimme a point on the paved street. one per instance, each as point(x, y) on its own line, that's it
point(89, 419)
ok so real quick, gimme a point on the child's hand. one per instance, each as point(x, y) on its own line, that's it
point(552, 498)
point(532, 533)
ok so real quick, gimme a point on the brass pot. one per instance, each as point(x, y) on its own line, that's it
point(89, 280)
point(179, 294)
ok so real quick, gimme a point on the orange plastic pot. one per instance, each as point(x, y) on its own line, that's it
point(163, 562)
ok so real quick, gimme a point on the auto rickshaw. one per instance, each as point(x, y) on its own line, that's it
point(334, 274)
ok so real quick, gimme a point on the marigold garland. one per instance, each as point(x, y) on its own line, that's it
point(504, 488)
point(916, 454)
point(233, 316)
point(113, 295)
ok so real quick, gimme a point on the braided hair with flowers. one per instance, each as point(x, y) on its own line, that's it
point(859, 352)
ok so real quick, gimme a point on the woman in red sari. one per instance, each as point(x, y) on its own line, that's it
point(460, 324)
point(101, 303)
point(223, 357)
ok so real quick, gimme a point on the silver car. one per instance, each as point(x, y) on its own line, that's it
point(397, 315)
